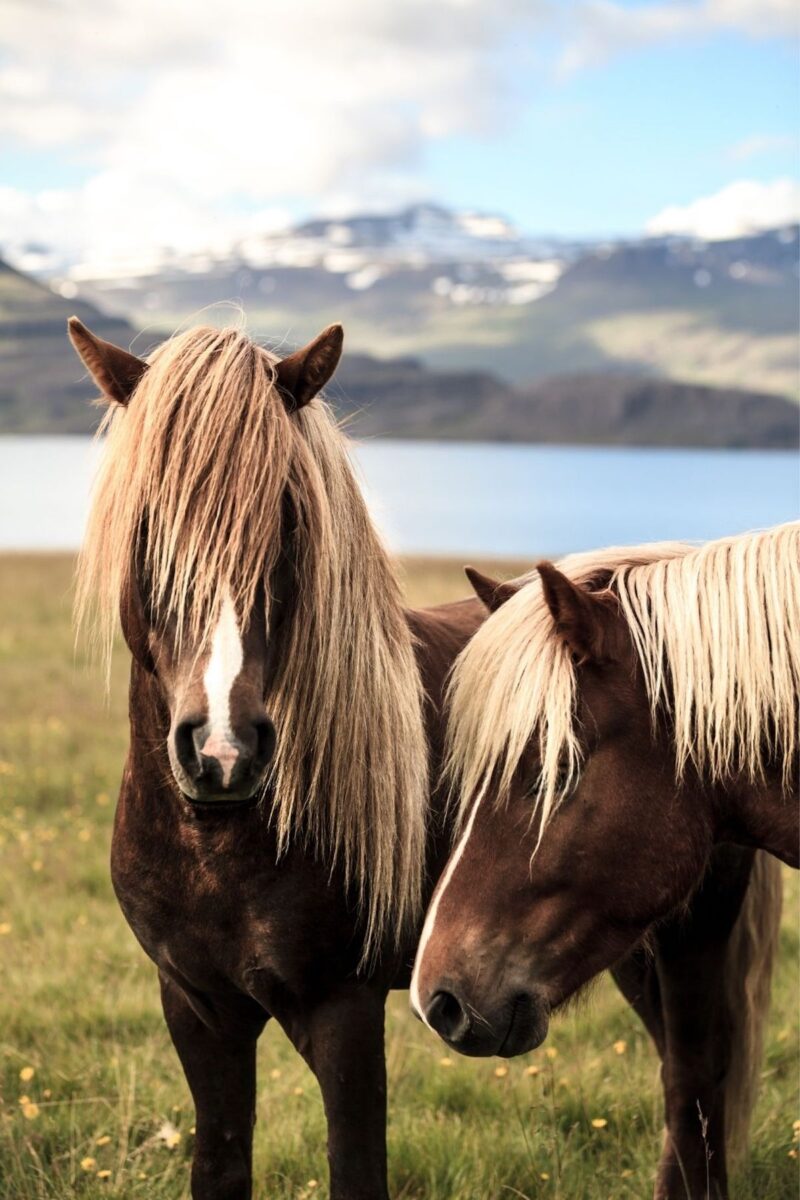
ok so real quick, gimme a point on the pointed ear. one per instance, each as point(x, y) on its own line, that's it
point(588, 622)
point(304, 373)
point(493, 592)
point(115, 371)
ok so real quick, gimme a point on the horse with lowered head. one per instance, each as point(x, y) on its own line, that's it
point(614, 730)
point(275, 829)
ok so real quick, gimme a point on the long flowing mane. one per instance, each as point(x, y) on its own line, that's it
point(205, 481)
point(715, 628)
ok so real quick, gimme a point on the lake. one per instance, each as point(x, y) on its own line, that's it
point(463, 499)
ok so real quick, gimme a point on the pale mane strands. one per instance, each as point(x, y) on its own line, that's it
point(353, 773)
point(201, 454)
point(515, 681)
point(205, 453)
point(718, 637)
point(716, 632)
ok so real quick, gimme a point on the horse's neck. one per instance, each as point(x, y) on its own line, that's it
point(440, 634)
point(763, 815)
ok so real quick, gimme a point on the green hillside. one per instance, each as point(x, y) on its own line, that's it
point(43, 388)
point(468, 393)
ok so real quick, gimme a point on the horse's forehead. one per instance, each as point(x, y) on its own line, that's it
point(224, 662)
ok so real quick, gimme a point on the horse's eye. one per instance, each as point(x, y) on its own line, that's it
point(565, 783)
point(561, 782)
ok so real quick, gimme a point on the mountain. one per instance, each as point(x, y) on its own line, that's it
point(404, 399)
point(467, 291)
point(565, 389)
point(43, 387)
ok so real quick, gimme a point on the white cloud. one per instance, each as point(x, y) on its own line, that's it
point(254, 97)
point(116, 220)
point(604, 29)
point(740, 208)
point(186, 111)
point(182, 114)
point(761, 143)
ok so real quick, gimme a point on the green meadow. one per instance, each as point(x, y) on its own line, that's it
point(92, 1100)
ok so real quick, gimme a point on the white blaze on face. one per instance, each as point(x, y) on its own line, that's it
point(430, 919)
point(220, 675)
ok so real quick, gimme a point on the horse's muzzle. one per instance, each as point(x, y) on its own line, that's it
point(216, 773)
point(515, 1025)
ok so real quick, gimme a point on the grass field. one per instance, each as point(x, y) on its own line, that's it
point(92, 1100)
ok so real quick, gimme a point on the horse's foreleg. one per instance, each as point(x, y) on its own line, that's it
point(220, 1069)
point(637, 978)
point(342, 1041)
point(692, 964)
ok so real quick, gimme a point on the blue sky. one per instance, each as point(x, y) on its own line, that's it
point(128, 129)
point(605, 149)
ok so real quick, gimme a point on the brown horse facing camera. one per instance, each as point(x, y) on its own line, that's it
point(272, 841)
point(609, 729)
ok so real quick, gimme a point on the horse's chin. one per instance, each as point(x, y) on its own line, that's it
point(220, 803)
point(527, 1029)
point(221, 806)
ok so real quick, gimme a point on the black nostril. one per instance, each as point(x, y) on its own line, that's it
point(265, 742)
point(186, 747)
point(448, 1016)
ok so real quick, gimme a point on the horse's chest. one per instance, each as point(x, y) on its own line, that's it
point(221, 916)
point(189, 911)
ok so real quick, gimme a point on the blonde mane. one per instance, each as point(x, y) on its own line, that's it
point(207, 478)
point(717, 633)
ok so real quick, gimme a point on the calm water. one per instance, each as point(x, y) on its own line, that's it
point(467, 499)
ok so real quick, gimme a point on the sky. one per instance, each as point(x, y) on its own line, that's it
point(130, 126)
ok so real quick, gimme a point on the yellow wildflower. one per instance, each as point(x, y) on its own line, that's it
point(102, 1141)
point(599, 1122)
point(104, 1174)
point(620, 1047)
point(500, 1072)
point(30, 1111)
point(5, 927)
point(551, 1052)
point(26, 1074)
point(88, 1163)
point(298, 1091)
point(532, 1070)
point(445, 1062)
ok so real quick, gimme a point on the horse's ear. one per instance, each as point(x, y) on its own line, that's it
point(492, 592)
point(304, 373)
point(587, 621)
point(115, 371)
